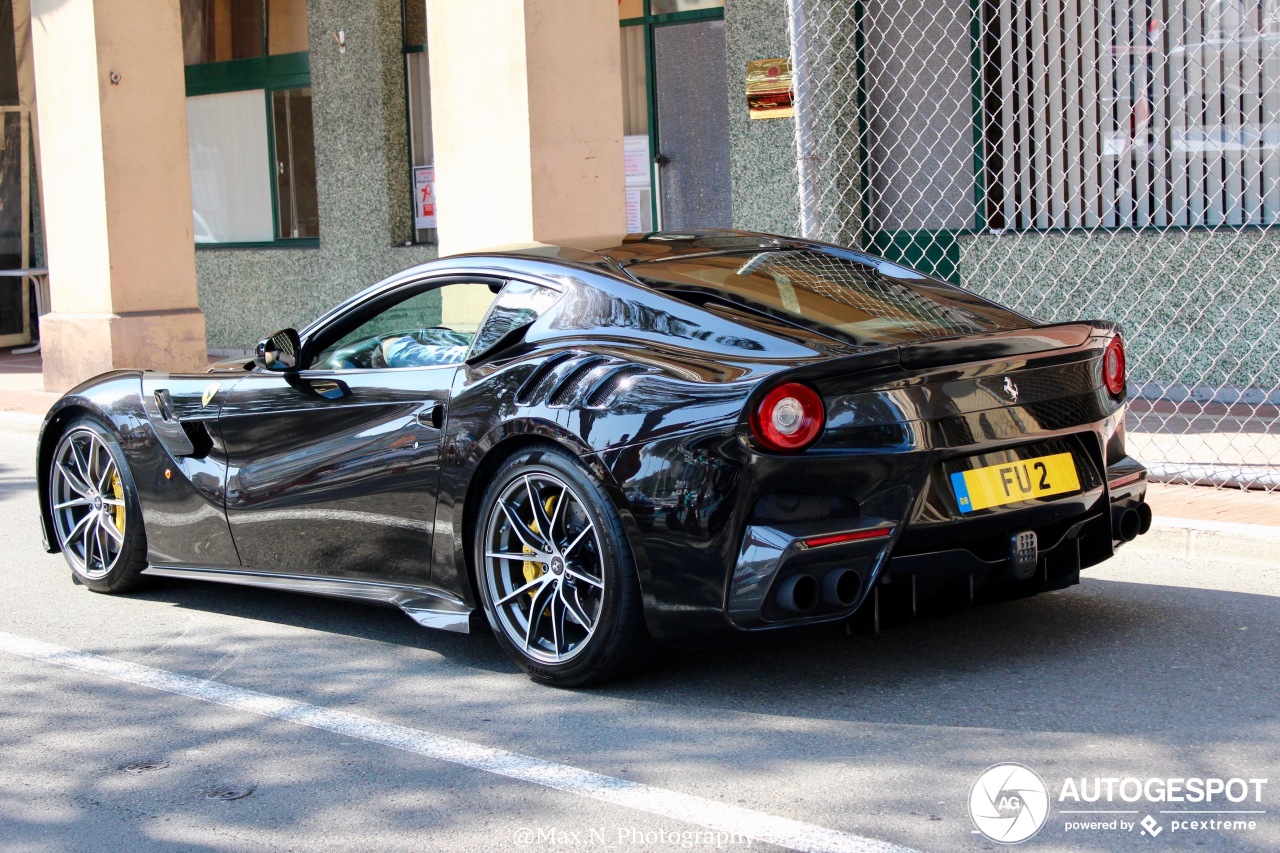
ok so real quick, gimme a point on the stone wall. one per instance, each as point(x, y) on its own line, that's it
point(762, 153)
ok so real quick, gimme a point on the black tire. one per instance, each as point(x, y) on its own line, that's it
point(91, 499)
point(570, 563)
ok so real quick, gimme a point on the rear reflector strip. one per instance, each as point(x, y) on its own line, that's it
point(838, 538)
point(1125, 480)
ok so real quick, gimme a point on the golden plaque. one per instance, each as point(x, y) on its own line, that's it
point(769, 88)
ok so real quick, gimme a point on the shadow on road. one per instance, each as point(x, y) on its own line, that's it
point(1083, 659)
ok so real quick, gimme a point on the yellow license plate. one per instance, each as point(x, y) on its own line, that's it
point(1020, 480)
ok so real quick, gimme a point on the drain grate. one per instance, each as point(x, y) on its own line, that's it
point(227, 793)
point(144, 766)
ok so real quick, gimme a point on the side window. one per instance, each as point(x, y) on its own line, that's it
point(519, 304)
point(429, 327)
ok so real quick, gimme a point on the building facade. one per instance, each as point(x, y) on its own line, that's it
point(1075, 158)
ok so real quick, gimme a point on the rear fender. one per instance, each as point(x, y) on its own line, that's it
point(464, 471)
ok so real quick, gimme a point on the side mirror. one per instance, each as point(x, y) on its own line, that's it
point(280, 351)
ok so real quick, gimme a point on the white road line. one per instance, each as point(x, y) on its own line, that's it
point(698, 811)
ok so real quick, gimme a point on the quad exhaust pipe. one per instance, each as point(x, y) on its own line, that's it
point(840, 587)
point(1130, 522)
point(798, 593)
point(801, 593)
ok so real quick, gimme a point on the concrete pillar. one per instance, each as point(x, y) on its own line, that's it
point(526, 110)
point(111, 112)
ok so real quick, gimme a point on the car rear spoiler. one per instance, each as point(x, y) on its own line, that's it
point(888, 363)
point(999, 345)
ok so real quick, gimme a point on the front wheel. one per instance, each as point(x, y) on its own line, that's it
point(95, 509)
point(556, 575)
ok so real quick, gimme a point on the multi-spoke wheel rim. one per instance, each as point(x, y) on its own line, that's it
point(87, 503)
point(543, 568)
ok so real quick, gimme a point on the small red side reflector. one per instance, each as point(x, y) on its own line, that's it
point(855, 536)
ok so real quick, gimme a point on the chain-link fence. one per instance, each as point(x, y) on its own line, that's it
point(1075, 159)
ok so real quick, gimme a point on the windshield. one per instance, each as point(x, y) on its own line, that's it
point(871, 302)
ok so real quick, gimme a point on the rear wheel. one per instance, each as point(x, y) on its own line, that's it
point(556, 575)
point(95, 510)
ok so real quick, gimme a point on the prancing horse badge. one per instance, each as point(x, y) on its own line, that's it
point(1011, 389)
point(212, 388)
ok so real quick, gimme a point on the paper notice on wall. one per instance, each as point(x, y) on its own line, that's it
point(635, 158)
point(424, 195)
point(635, 222)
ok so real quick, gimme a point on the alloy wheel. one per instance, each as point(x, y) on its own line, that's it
point(87, 502)
point(543, 567)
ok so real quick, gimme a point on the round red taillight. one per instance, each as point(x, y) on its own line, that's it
point(1113, 367)
point(788, 418)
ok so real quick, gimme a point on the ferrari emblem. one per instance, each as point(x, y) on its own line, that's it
point(212, 388)
point(1011, 389)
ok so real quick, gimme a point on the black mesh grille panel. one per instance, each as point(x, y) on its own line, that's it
point(798, 507)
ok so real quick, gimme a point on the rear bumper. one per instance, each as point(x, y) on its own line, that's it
point(1070, 534)
point(716, 529)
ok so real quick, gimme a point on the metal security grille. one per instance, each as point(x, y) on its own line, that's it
point(1075, 159)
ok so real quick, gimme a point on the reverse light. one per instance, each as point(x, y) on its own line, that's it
point(789, 417)
point(1113, 367)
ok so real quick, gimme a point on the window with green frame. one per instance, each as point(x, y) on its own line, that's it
point(418, 114)
point(249, 122)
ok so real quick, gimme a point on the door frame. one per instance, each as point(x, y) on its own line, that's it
point(649, 22)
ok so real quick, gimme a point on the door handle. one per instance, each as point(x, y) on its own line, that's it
point(431, 415)
point(330, 389)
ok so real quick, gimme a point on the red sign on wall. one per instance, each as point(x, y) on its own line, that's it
point(424, 194)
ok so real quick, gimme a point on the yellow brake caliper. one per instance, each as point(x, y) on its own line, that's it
point(531, 569)
point(117, 491)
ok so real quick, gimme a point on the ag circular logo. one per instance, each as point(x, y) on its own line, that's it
point(1009, 803)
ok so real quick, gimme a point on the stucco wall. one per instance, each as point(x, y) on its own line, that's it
point(363, 178)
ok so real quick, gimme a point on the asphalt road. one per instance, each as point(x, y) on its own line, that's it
point(1154, 667)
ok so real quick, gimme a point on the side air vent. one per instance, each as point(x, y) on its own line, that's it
point(612, 384)
point(528, 393)
point(575, 383)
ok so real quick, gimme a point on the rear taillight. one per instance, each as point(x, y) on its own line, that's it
point(789, 417)
point(1113, 367)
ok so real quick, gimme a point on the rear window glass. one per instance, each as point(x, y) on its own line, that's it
point(871, 302)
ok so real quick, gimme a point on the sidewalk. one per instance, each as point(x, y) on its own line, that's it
point(1254, 515)
point(21, 385)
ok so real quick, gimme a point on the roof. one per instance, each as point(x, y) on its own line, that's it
point(617, 251)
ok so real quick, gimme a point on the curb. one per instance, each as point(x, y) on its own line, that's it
point(1193, 538)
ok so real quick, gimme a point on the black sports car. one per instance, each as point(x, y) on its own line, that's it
point(670, 438)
